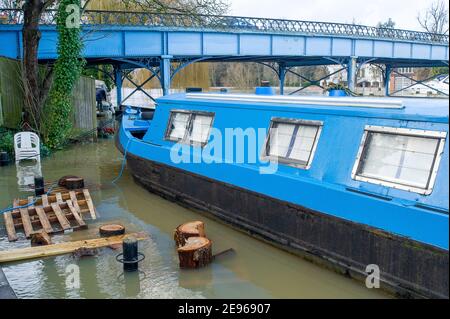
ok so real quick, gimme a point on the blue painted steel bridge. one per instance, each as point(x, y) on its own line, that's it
point(166, 43)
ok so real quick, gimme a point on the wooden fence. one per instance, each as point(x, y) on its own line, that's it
point(11, 99)
point(11, 93)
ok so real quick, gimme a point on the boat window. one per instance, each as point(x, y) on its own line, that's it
point(293, 142)
point(189, 127)
point(201, 125)
point(178, 126)
point(400, 158)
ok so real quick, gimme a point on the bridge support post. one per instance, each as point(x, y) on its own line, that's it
point(387, 80)
point(119, 82)
point(282, 77)
point(165, 74)
point(351, 73)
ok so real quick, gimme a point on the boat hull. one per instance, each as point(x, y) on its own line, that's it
point(408, 268)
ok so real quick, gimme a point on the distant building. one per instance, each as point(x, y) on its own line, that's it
point(369, 78)
point(399, 82)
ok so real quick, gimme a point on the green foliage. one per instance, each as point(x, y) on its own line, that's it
point(67, 71)
point(7, 141)
point(99, 75)
point(389, 24)
point(439, 70)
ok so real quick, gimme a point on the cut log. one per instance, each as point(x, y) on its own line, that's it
point(188, 230)
point(196, 253)
point(111, 230)
point(85, 252)
point(65, 180)
point(74, 183)
point(40, 238)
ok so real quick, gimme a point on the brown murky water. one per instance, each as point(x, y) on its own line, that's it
point(257, 270)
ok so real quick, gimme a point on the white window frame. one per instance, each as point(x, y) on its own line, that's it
point(442, 136)
point(288, 161)
point(186, 139)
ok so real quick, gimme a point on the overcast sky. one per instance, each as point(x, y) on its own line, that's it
point(367, 12)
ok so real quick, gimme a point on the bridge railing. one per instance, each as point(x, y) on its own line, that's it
point(229, 23)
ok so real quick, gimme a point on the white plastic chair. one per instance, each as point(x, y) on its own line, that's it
point(27, 146)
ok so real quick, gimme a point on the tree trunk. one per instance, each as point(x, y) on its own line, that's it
point(35, 90)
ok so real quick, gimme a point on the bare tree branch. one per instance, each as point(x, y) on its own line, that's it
point(435, 19)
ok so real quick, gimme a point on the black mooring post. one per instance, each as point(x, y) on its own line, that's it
point(4, 159)
point(39, 187)
point(130, 254)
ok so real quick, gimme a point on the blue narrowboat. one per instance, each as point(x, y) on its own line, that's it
point(347, 182)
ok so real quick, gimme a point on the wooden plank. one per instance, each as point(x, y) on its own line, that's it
point(59, 199)
point(44, 200)
point(52, 198)
point(46, 226)
point(30, 201)
point(75, 214)
point(89, 203)
point(61, 217)
point(16, 203)
point(73, 198)
point(10, 229)
point(26, 222)
point(64, 248)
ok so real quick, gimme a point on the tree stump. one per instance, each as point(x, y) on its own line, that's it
point(85, 252)
point(40, 238)
point(188, 230)
point(196, 253)
point(111, 230)
point(71, 182)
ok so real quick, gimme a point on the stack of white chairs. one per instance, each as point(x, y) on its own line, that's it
point(27, 146)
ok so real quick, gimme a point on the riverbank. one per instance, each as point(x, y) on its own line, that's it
point(6, 292)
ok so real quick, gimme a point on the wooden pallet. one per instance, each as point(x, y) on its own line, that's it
point(53, 214)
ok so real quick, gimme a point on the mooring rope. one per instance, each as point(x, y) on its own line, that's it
point(11, 208)
point(124, 162)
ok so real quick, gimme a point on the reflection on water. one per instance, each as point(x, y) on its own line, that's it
point(26, 172)
point(257, 270)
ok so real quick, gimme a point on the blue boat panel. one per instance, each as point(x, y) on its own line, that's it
point(220, 44)
point(329, 177)
point(255, 45)
point(318, 46)
point(383, 49)
point(342, 47)
point(421, 51)
point(143, 43)
point(364, 48)
point(48, 44)
point(286, 45)
point(103, 44)
point(185, 43)
point(402, 50)
point(439, 52)
point(11, 50)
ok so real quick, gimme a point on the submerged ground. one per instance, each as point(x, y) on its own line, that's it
point(257, 270)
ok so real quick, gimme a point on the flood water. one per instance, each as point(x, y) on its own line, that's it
point(256, 270)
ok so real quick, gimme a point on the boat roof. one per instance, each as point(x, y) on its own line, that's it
point(415, 109)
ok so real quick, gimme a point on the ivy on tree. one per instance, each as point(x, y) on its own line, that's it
point(67, 71)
